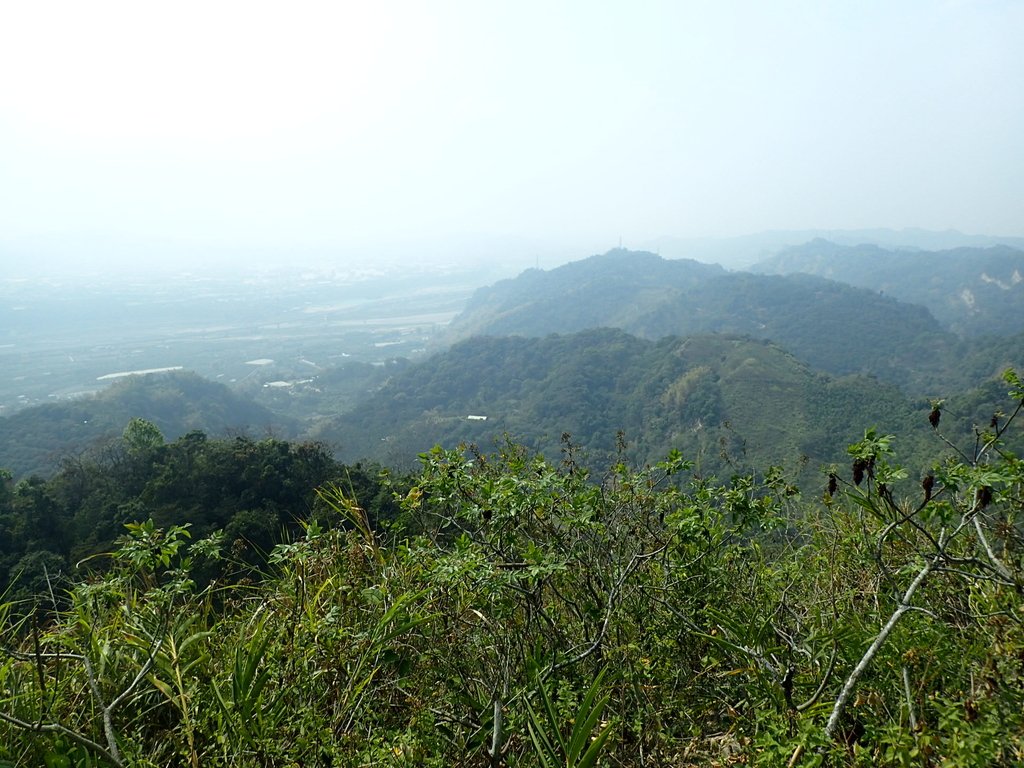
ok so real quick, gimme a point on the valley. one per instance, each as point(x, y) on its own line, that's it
point(63, 339)
point(777, 369)
point(623, 474)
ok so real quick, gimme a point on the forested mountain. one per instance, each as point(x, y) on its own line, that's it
point(726, 401)
point(675, 582)
point(589, 385)
point(256, 491)
point(837, 328)
point(36, 439)
point(972, 290)
point(612, 289)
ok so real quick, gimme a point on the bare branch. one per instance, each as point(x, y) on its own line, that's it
point(824, 683)
point(613, 596)
point(996, 562)
point(869, 654)
point(64, 731)
point(910, 699)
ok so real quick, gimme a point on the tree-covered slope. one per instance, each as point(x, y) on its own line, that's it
point(829, 325)
point(972, 290)
point(256, 491)
point(824, 323)
point(522, 612)
point(611, 289)
point(725, 400)
point(35, 440)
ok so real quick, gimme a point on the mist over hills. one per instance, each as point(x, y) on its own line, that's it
point(34, 440)
point(731, 366)
point(829, 325)
point(609, 289)
point(728, 401)
point(288, 477)
point(973, 291)
point(743, 251)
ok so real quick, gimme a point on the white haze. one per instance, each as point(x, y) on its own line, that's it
point(198, 133)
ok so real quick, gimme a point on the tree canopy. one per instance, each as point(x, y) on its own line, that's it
point(513, 610)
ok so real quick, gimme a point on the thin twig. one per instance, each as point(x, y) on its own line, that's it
point(824, 683)
point(996, 562)
point(64, 731)
point(910, 698)
point(609, 609)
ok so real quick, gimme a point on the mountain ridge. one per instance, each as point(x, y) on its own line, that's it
point(743, 251)
point(830, 325)
point(973, 291)
point(725, 398)
point(34, 440)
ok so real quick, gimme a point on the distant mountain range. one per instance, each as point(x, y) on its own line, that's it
point(737, 369)
point(971, 290)
point(728, 402)
point(829, 325)
point(745, 250)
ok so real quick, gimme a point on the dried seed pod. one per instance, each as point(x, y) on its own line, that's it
point(858, 471)
point(833, 483)
point(928, 483)
point(787, 686)
point(983, 497)
point(934, 416)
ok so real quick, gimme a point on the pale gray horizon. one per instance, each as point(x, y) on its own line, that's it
point(196, 133)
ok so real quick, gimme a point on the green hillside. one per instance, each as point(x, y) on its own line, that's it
point(831, 326)
point(612, 289)
point(726, 401)
point(500, 609)
point(972, 290)
point(36, 439)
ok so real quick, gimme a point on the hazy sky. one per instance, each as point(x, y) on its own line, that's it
point(148, 129)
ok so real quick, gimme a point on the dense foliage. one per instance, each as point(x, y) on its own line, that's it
point(254, 490)
point(241, 601)
point(523, 612)
point(729, 403)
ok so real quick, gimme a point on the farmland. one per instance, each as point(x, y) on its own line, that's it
point(63, 338)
